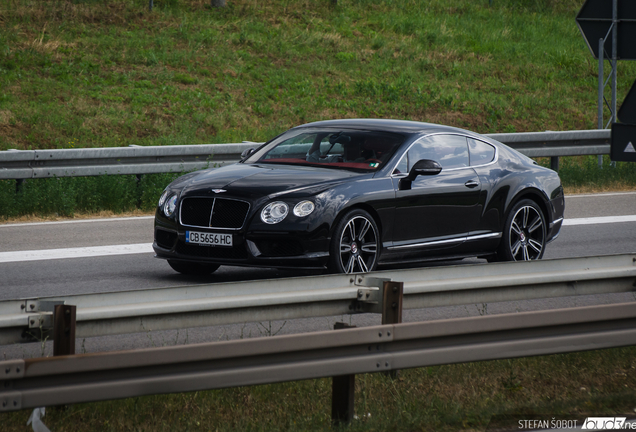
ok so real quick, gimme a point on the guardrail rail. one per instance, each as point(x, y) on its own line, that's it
point(95, 377)
point(65, 379)
point(24, 320)
point(31, 164)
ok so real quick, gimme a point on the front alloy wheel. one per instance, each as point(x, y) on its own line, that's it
point(525, 233)
point(355, 244)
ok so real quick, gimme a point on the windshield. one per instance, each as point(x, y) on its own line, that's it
point(341, 149)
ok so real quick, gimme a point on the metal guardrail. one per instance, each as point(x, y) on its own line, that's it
point(115, 313)
point(554, 144)
point(29, 164)
point(94, 377)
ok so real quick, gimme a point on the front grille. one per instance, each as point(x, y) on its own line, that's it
point(229, 213)
point(279, 248)
point(165, 239)
point(214, 212)
point(237, 252)
point(196, 211)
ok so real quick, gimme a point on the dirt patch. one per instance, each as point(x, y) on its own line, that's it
point(14, 134)
point(5, 117)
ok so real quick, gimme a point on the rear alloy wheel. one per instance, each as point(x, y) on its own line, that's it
point(524, 234)
point(355, 244)
point(188, 268)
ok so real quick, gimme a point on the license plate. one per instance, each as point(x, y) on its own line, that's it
point(209, 239)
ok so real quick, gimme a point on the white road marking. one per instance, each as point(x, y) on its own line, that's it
point(599, 220)
point(9, 225)
point(81, 252)
point(129, 249)
point(600, 195)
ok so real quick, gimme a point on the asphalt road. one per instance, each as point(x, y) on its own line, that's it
point(30, 266)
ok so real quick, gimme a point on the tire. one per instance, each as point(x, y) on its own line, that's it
point(524, 236)
point(355, 244)
point(188, 268)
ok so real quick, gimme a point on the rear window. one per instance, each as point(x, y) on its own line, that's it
point(480, 152)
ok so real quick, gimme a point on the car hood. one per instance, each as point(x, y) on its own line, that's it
point(255, 181)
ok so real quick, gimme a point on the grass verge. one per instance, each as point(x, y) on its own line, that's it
point(66, 196)
point(443, 398)
point(125, 194)
point(90, 73)
point(581, 174)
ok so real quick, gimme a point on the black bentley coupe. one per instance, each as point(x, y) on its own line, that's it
point(349, 195)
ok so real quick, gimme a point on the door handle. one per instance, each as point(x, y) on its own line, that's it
point(471, 184)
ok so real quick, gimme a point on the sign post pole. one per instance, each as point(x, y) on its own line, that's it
point(614, 56)
point(597, 20)
point(601, 87)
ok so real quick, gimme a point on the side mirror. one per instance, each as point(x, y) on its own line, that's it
point(247, 153)
point(424, 167)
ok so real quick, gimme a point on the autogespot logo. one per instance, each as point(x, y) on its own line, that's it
point(607, 423)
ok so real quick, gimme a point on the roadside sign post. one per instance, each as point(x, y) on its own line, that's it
point(597, 20)
point(623, 147)
point(627, 113)
point(623, 138)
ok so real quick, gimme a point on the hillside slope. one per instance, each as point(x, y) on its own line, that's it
point(86, 73)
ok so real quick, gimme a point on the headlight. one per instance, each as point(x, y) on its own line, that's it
point(170, 206)
point(162, 200)
point(304, 208)
point(274, 212)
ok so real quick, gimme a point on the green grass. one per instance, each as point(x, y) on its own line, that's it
point(441, 398)
point(72, 196)
point(582, 174)
point(88, 73)
point(67, 196)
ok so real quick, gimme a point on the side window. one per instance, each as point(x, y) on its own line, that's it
point(295, 147)
point(450, 151)
point(425, 148)
point(402, 167)
point(325, 147)
point(480, 152)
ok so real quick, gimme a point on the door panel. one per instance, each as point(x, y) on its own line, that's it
point(436, 211)
point(437, 208)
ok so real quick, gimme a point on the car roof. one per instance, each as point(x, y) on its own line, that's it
point(403, 126)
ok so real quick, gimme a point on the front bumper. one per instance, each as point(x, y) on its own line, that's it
point(554, 230)
point(280, 250)
point(558, 210)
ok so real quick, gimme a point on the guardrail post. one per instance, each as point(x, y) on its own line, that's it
point(343, 392)
point(392, 295)
point(64, 330)
point(139, 190)
point(19, 185)
point(554, 163)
